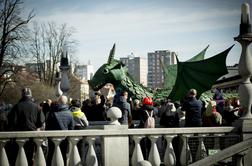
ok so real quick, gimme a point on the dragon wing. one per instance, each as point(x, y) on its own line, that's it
point(200, 75)
point(170, 71)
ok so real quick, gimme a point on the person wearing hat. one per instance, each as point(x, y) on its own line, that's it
point(80, 118)
point(147, 120)
point(26, 116)
point(146, 112)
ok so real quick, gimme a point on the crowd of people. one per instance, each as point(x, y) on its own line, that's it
point(62, 114)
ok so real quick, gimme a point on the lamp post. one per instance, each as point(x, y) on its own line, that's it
point(245, 62)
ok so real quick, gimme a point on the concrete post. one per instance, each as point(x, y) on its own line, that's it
point(115, 148)
point(245, 63)
point(58, 91)
point(244, 124)
point(64, 67)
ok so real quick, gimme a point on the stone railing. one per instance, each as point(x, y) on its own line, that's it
point(117, 145)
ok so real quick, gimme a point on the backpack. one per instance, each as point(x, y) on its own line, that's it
point(150, 121)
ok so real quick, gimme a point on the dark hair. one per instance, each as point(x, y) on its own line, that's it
point(124, 92)
point(76, 103)
point(148, 107)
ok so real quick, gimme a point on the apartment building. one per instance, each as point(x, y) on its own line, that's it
point(137, 68)
point(155, 71)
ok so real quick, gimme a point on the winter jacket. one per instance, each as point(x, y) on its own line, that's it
point(26, 116)
point(79, 117)
point(193, 117)
point(60, 118)
point(125, 108)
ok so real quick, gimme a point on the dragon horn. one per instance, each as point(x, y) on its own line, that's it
point(111, 54)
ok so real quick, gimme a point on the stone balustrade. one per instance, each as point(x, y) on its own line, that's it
point(112, 145)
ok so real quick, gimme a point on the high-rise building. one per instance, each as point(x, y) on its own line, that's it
point(137, 68)
point(155, 71)
point(85, 72)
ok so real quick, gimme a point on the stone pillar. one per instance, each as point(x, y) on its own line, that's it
point(64, 67)
point(244, 124)
point(115, 148)
point(245, 63)
point(58, 91)
point(245, 70)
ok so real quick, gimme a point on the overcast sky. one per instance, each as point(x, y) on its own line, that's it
point(139, 27)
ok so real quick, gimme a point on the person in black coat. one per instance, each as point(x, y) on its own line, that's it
point(192, 107)
point(124, 107)
point(26, 116)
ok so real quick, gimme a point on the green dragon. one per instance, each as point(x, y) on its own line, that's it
point(198, 73)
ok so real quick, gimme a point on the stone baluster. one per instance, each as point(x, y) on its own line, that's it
point(3, 157)
point(154, 157)
point(91, 158)
point(201, 150)
point(185, 156)
point(245, 62)
point(57, 159)
point(245, 71)
point(74, 155)
point(137, 153)
point(39, 159)
point(169, 157)
point(21, 157)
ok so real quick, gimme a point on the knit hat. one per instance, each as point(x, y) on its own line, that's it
point(26, 92)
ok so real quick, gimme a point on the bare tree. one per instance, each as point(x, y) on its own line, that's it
point(12, 29)
point(47, 44)
point(13, 35)
point(38, 49)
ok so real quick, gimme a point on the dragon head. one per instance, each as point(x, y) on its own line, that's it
point(111, 72)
